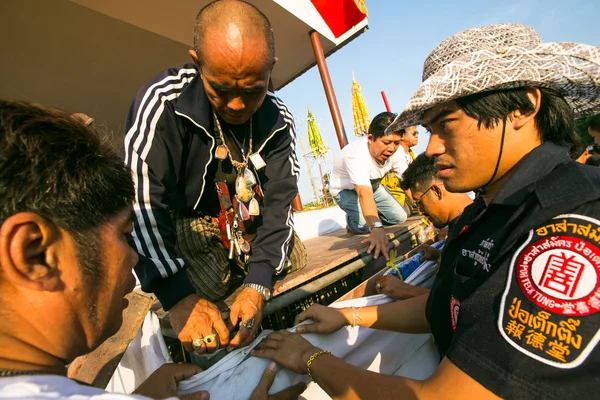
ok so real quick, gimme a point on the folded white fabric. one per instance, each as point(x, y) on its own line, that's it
point(236, 375)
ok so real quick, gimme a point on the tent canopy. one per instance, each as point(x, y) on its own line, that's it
point(92, 56)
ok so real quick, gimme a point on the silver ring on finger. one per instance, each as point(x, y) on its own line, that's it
point(197, 344)
point(378, 287)
point(210, 339)
point(249, 323)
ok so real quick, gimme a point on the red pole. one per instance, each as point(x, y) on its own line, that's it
point(323, 185)
point(328, 86)
point(297, 203)
point(387, 105)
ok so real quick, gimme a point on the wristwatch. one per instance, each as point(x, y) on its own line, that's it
point(264, 291)
point(376, 224)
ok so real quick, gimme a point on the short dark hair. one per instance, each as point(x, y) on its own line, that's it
point(595, 123)
point(578, 148)
point(210, 13)
point(380, 122)
point(593, 161)
point(53, 165)
point(555, 119)
point(420, 172)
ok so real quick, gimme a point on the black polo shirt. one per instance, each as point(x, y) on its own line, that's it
point(516, 304)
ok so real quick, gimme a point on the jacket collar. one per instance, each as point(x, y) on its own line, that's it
point(194, 104)
point(535, 165)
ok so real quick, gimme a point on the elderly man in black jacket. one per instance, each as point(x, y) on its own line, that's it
point(212, 155)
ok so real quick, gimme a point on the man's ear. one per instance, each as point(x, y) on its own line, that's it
point(437, 191)
point(28, 252)
point(194, 56)
point(196, 60)
point(520, 119)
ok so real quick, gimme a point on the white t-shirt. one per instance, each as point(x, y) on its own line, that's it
point(355, 166)
point(37, 387)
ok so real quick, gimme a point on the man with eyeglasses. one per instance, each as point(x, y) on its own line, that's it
point(410, 138)
point(438, 204)
point(443, 209)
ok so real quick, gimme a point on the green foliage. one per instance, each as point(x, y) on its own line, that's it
point(582, 129)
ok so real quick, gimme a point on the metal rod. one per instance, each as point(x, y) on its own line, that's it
point(295, 295)
point(328, 86)
point(310, 176)
point(325, 200)
point(385, 102)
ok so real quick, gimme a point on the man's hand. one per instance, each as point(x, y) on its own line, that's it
point(430, 253)
point(378, 241)
point(247, 308)
point(195, 318)
point(262, 389)
point(398, 290)
point(326, 319)
point(290, 350)
point(162, 383)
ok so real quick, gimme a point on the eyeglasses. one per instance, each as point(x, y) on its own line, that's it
point(418, 202)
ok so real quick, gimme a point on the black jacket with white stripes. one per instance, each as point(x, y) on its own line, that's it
point(169, 146)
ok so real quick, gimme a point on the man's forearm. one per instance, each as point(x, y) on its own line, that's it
point(343, 381)
point(368, 206)
point(406, 316)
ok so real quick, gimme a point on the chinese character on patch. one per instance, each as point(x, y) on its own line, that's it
point(535, 339)
point(558, 350)
point(562, 274)
point(514, 329)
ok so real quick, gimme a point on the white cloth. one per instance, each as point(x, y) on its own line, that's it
point(355, 166)
point(38, 387)
point(315, 223)
point(145, 353)
point(236, 376)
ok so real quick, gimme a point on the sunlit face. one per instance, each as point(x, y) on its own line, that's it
point(105, 301)
point(595, 135)
point(430, 204)
point(411, 136)
point(465, 155)
point(384, 147)
point(235, 72)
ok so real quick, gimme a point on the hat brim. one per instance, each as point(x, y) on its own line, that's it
point(571, 69)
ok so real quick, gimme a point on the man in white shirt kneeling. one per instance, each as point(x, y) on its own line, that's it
point(355, 183)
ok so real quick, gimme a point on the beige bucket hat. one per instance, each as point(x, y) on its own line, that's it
point(505, 56)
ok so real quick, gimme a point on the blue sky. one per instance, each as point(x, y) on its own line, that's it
point(390, 55)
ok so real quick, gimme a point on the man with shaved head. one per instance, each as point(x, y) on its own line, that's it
point(212, 156)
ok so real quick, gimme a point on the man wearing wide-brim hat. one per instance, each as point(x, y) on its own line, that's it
point(515, 308)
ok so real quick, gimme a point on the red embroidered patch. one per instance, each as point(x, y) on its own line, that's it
point(550, 308)
point(561, 274)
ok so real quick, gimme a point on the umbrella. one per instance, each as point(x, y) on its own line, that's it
point(317, 147)
point(359, 110)
point(360, 4)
